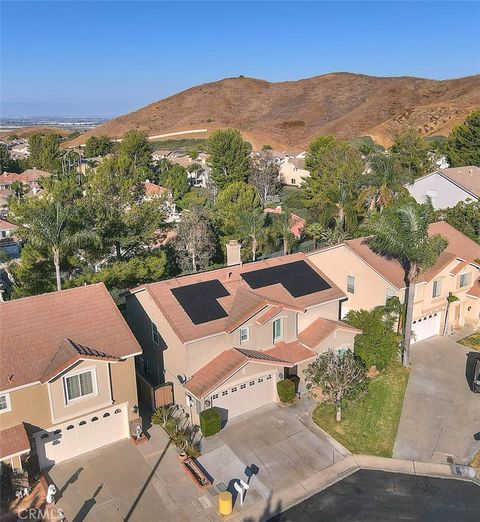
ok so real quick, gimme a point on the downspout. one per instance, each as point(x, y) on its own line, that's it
point(110, 382)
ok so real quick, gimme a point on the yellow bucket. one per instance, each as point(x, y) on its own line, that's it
point(225, 503)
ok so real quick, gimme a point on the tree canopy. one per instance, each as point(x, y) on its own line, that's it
point(412, 152)
point(98, 146)
point(463, 144)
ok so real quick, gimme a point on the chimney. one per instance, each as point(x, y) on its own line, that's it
point(233, 253)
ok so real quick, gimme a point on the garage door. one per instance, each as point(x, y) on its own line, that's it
point(248, 395)
point(426, 327)
point(83, 434)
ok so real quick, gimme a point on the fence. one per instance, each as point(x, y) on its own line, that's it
point(154, 396)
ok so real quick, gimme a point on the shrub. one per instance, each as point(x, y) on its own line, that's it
point(210, 422)
point(286, 391)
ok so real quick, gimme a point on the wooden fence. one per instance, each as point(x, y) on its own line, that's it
point(154, 396)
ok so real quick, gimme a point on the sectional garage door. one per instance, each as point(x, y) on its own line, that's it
point(248, 395)
point(426, 327)
point(83, 434)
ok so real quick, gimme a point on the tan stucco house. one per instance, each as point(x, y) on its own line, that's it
point(224, 338)
point(67, 382)
point(293, 171)
point(369, 279)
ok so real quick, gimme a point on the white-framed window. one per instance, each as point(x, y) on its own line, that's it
point(277, 329)
point(5, 404)
point(155, 334)
point(437, 288)
point(80, 385)
point(464, 280)
point(432, 194)
point(244, 334)
point(351, 284)
point(294, 181)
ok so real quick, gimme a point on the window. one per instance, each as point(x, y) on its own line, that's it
point(155, 334)
point(234, 389)
point(464, 280)
point(243, 386)
point(269, 377)
point(437, 288)
point(5, 403)
point(350, 284)
point(260, 379)
point(215, 396)
point(277, 330)
point(294, 181)
point(224, 392)
point(79, 385)
point(432, 195)
point(251, 383)
point(244, 334)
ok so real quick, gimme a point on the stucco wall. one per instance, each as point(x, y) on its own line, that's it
point(289, 172)
point(448, 194)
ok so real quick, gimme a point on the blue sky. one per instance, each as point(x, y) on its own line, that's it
point(107, 58)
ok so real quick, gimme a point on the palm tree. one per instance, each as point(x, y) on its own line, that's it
point(252, 227)
point(400, 233)
point(49, 228)
point(385, 181)
point(281, 224)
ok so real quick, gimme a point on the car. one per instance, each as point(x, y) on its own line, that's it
point(476, 377)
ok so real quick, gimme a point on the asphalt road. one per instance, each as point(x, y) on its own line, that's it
point(379, 496)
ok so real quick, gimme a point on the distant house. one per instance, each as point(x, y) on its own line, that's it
point(8, 243)
point(297, 223)
point(293, 171)
point(446, 187)
point(28, 178)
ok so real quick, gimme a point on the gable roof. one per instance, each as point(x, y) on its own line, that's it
point(320, 329)
point(33, 329)
point(242, 300)
point(467, 178)
point(459, 244)
point(6, 225)
point(13, 441)
point(28, 176)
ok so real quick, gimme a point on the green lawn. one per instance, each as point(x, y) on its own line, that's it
point(369, 425)
point(472, 341)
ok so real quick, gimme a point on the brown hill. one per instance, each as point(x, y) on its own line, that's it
point(288, 115)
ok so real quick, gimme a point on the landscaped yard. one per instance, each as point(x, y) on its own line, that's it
point(369, 425)
point(472, 341)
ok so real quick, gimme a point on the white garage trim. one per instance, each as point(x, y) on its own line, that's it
point(426, 326)
point(75, 437)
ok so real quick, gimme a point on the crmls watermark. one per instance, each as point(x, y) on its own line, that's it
point(49, 513)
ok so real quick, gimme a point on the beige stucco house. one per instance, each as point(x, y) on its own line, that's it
point(369, 279)
point(293, 171)
point(67, 382)
point(224, 338)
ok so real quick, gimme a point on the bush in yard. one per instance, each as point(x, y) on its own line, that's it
point(210, 422)
point(378, 343)
point(286, 391)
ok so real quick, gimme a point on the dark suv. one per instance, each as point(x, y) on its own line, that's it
point(476, 377)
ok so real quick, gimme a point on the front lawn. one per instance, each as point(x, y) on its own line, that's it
point(369, 425)
point(472, 341)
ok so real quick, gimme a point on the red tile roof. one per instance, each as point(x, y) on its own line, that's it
point(13, 440)
point(320, 329)
point(28, 176)
point(152, 189)
point(6, 225)
point(458, 244)
point(293, 352)
point(474, 291)
point(33, 328)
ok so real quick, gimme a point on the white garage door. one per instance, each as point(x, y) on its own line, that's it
point(426, 327)
point(248, 395)
point(83, 434)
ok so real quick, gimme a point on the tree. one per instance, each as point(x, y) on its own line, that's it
point(385, 181)
point(253, 229)
point(136, 147)
point(45, 152)
point(411, 151)
point(48, 228)
point(378, 343)
point(98, 146)
point(326, 236)
point(338, 376)
point(451, 298)
point(280, 228)
point(463, 144)
point(400, 233)
point(17, 188)
point(229, 157)
point(7, 164)
point(195, 242)
point(464, 216)
point(176, 180)
point(264, 175)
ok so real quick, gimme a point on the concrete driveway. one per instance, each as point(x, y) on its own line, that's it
point(441, 415)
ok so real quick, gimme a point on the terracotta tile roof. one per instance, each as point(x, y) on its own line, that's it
point(474, 291)
point(292, 352)
point(466, 177)
point(320, 329)
point(152, 189)
point(231, 279)
point(6, 225)
point(13, 440)
point(244, 305)
point(28, 176)
point(269, 314)
point(297, 223)
point(33, 328)
point(222, 367)
point(70, 352)
point(458, 268)
point(458, 244)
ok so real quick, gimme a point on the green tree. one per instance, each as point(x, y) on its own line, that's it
point(463, 144)
point(280, 229)
point(136, 147)
point(412, 152)
point(252, 229)
point(7, 164)
point(464, 216)
point(17, 188)
point(98, 146)
point(229, 157)
point(400, 233)
point(45, 152)
point(35, 144)
point(176, 180)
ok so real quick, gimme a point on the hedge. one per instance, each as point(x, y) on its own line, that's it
point(210, 422)
point(286, 391)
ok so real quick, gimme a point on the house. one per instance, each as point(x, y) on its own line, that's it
point(447, 187)
point(224, 338)
point(8, 242)
point(293, 172)
point(67, 376)
point(29, 178)
point(369, 280)
point(297, 223)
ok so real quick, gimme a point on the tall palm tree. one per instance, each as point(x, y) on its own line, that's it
point(252, 227)
point(280, 226)
point(400, 232)
point(49, 228)
point(385, 181)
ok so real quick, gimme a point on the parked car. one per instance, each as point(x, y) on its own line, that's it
point(476, 377)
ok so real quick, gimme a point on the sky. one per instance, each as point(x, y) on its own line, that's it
point(106, 58)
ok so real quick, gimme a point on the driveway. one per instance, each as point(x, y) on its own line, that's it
point(441, 416)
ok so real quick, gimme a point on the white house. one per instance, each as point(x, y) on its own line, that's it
point(446, 187)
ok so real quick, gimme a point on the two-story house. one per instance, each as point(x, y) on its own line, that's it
point(67, 382)
point(293, 171)
point(369, 280)
point(224, 338)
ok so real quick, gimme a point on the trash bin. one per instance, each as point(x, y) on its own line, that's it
point(225, 503)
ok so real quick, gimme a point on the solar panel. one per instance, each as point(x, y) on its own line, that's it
point(298, 278)
point(199, 300)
